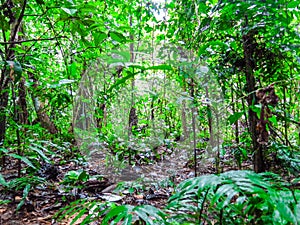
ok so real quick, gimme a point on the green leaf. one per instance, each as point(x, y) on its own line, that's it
point(115, 212)
point(61, 83)
point(117, 36)
point(256, 109)
point(224, 190)
point(25, 194)
point(235, 117)
point(3, 150)
point(219, 44)
point(273, 119)
point(70, 209)
point(73, 69)
point(2, 181)
point(40, 152)
point(17, 68)
point(99, 37)
point(24, 159)
point(160, 67)
point(286, 212)
point(137, 67)
point(69, 11)
point(121, 81)
point(128, 220)
point(83, 176)
point(297, 212)
point(79, 215)
point(143, 215)
point(124, 56)
point(148, 213)
point(293, 4)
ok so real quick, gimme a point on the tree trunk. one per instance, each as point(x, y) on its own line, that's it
point(236, 124)
point(209, 119)
point(248, 47)
point(43, 117)
point(133, 118)
point(192, 94)
point(9, 56)
point(22, 104)
point(185, 134)
point(3, 105)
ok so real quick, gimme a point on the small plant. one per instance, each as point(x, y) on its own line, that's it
point(286, 157)
point(240, 155)
point(17, 184)
point(75, 177)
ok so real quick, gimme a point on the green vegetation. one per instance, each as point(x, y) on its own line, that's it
point(94, 92)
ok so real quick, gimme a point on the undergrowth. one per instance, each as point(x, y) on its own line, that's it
point(235, 197)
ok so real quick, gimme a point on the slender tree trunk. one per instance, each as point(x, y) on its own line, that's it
point(236, 124)
point(3, 104)
point(133, 119)
point(183, 115)
point(243, 102)
point(248, 47)
point(285, 118)
point(209, 119)
point(194, 111)
point(8, 76)
point(22, 104)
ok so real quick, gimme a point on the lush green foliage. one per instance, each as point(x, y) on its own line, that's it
point(137, 75)
point(235, 197)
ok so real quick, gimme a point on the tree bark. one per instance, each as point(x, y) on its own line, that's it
point(249, 47)
point(9, 56)
point(236, 124)
point(185, 134)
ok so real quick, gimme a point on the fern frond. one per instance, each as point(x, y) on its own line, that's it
point(234, 197)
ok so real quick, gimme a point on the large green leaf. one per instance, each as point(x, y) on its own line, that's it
point(121, 81)
point(116, 214)
point(99, 37)
point(293, 5)
point(235, 117)
point(116, 36)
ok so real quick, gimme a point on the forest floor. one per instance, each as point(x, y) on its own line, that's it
point(47, 198)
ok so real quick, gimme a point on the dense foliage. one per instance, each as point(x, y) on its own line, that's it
point(144, 79)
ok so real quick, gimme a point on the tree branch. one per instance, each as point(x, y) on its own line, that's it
point(16, 27)
point(31, 40)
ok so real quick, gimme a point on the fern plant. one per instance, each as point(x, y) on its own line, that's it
point(236, 197)
point(110, 213)
point(82, 210)
point(127, 214)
